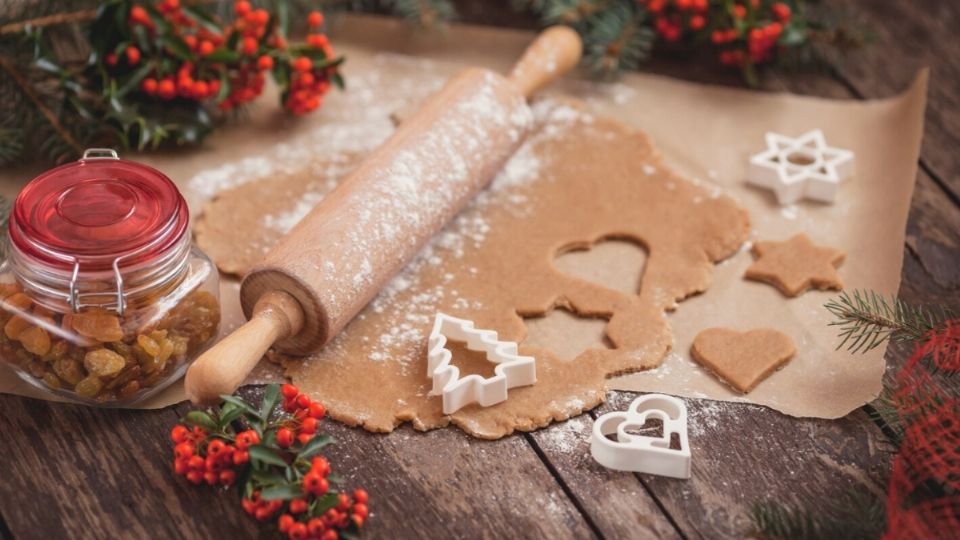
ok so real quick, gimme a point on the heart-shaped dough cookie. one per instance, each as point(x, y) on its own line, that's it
point(742, 359)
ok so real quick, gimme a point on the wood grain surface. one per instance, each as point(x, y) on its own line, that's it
point(75, 472)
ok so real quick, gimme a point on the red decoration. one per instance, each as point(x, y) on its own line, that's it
point(284, 477)
point(923, 499)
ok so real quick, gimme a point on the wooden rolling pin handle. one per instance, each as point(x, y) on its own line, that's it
point(222, 368)
point(554, 52)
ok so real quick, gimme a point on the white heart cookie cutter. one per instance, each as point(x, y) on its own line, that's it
point(641, 453)
point(801, 167)
point(512, 369)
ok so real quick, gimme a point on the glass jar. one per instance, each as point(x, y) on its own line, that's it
point(103, 298)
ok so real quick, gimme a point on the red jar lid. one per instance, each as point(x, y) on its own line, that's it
point(95, 210)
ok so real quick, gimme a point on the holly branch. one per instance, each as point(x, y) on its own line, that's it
point(271, 453)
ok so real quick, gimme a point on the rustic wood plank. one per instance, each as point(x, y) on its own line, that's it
point(444, 483)
point(933, 237)
point(110, 471)
point(746, 454)
point(910, 35)
point(79, 472)
point(618, 504)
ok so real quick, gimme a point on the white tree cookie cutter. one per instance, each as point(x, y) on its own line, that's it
point(801, 167)
point(512, 370)
point(642, 453)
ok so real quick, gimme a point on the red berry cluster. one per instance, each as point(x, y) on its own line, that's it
point(202, 458)
point(305, 420)
point(326, 526)
point(308, 83)
point(671, 17)
point(307, 505)
point(239, 55)
point(745, 31)
point(760, 38)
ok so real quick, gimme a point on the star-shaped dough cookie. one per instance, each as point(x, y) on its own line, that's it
point(801, 167)
point(796, 265)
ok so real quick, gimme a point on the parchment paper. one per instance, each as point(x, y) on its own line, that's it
point(705, 132)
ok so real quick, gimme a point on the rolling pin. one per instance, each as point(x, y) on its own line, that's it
point(332, 263)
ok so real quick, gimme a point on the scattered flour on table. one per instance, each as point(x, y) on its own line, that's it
point(568, 437)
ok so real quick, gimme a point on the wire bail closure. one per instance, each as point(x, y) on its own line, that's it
point(75, 295)
point(97, 153)
point(74, 298)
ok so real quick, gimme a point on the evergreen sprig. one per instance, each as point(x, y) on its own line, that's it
point(854, 515)
point(425, 13)
point(867, 319)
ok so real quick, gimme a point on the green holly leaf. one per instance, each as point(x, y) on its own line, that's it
point(223, 55)
point(241, 404)
point(202, 17)
point(133, 82)
point(224, 88)
point(315, 445)
point(284, 492)
point(265, 455)
point(268, 477)
point(321, 505)
point(793, 36)
point(228, 413)
point(177, 46)
point(283, 16)
point(200, 419)
point(271, 397)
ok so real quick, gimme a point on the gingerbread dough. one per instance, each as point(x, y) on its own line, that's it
point(742, 360)
point(241, 225)
point(577, 180)
point(795, 265)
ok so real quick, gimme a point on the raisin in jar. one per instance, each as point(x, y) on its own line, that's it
point(105, 300)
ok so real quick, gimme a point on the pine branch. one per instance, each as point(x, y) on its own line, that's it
point(48, 20)
point(868, 319)
point(617, 39)
point(426, 13)
point(883, 412)
point(27, 89)
point(855, 515)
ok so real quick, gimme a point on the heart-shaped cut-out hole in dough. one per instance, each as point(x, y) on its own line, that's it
point(615, 263)
point(742, 359)
point(565, 334)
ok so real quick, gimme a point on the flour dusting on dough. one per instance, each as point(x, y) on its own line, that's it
point(493, 262)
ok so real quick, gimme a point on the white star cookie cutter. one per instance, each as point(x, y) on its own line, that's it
point(802, 167)
point(642, 453)
point(512, 369)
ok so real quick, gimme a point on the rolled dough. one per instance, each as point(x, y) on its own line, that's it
point(578, 180)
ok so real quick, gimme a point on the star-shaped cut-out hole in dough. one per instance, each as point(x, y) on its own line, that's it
point(802, 167)
point(795, 265)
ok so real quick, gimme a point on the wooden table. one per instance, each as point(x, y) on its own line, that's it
point(76, 472)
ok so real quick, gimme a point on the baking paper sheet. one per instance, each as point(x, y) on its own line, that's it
point(707, 133)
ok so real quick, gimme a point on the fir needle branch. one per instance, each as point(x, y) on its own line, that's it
point(856, 515)
point(48, 20)
point(867, 320)
point(51, 118)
